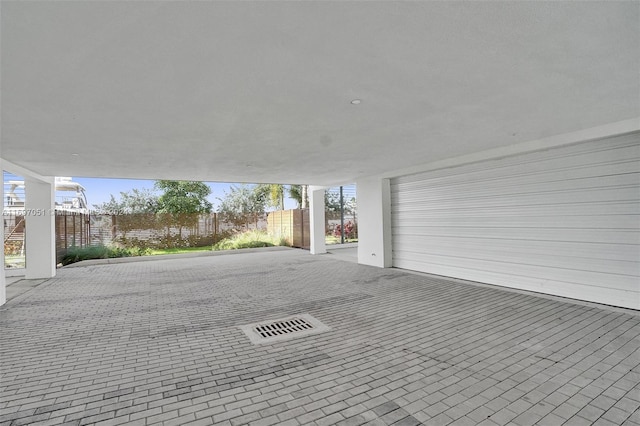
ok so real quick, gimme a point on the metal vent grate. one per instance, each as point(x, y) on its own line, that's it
point(283, 329)
point(279, 328)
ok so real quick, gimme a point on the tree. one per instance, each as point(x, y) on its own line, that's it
point(272, 193)
point(242, 204)
point(134, 209)
point(299, 193)
point(131, 202)
point(182, 202)
point(333, 209)
point(276, 193)
point(332, 203)
point(304, 203)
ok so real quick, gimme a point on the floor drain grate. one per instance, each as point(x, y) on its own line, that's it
point(278, 328)
point(283, 329)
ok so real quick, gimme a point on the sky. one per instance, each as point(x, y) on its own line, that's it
point(99, 191)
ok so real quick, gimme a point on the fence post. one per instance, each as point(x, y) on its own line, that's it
point(66, 234)
point(215, 227)
point(301, 228)
point(341, 217)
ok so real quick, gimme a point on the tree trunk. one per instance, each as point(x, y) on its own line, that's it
point(304, 197)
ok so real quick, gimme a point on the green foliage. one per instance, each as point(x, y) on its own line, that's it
point(134, 242)
point(295, 193)
point(135, 201)
point(299, 194)
point(242, 203)
point(332, 239)
point(277, 195)
point(249, 239)
point(12, 247)
point(179, 250)
point(261, 192)
point(181, 197)
point(273, 194)
point(172, 241)
point(77, 254)
point(134, 209)
point(332, 203)
point(180, 205)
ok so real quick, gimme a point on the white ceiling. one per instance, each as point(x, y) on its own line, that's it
point(261, 91)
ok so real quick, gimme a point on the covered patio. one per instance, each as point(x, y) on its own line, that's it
point(496, 142)
point(158, 342)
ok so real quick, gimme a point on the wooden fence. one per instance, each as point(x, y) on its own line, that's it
point(72, 230)
point(154, 230)
point(146, 230)
point(292, 225)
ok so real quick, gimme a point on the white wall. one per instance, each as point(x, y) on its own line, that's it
point(374, 205)
point(316, 219)
point(3, 287)
point(40, 228)
point(374, 229)
point(561, 221)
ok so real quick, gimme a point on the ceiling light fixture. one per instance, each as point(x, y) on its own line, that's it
point(356, 102)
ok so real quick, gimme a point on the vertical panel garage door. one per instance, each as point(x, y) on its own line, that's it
point(564, 221)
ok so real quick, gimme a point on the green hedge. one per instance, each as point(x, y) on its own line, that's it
point(77, 254)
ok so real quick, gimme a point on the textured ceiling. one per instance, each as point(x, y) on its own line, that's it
point(261, 91)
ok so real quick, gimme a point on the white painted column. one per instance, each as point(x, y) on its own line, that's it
point(40, 228)
point(316, 219)
point(374, 222)
point(3, 283)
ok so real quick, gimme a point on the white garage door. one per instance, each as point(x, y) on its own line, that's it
point(564, 221)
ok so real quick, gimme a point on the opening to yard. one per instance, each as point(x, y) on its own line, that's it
point(150, 220)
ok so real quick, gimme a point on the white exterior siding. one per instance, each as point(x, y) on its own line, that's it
point(563, 221)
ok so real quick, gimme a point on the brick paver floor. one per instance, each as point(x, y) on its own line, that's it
point(158, 343)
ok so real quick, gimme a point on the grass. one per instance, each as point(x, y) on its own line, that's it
point(330, 239)
point(178, 250)
point(249, 239)
point(14, 261)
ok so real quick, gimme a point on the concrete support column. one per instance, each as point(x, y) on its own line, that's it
point(374, 222)
point(3, 284)
point(40, 228)
point(316, 219)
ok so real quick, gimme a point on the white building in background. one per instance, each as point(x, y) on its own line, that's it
point(70, 196)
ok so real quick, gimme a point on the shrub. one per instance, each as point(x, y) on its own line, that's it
point(249, 239)
point(12, 247)
point(77, 254)
point(133, 243)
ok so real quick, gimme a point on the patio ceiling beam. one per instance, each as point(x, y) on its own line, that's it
point(24, 172)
